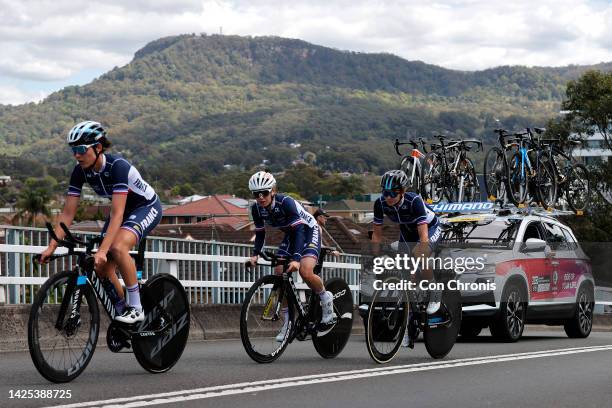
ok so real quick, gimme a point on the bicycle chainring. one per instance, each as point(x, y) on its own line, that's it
point(116, 339)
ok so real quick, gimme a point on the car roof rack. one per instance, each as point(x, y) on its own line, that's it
point(488, 207)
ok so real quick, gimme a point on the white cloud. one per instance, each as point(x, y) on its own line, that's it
point(44, 40)
point(11, 95)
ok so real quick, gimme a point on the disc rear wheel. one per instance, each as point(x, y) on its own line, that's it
point(167, 314)
point(329, 343)
point(440, 339)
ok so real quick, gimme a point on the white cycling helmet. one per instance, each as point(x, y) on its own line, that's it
point(87, 132)
point(261, 180)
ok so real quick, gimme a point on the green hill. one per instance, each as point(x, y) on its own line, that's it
point(186, 106)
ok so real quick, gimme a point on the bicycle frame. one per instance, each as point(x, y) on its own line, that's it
point(459, 148)
point(85, 276)
point(525, 162)
point(304, 318)
point(414, 157)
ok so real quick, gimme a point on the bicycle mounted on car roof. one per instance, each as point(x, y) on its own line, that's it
point(411, 163)
point(572, 178)
point(260, 317)
point(157, 342)
point(524, 178)
point(450, 173)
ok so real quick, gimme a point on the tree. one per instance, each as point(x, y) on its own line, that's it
point(34, 199)
point(183, 190)
point(560, 128)
point(589, 101)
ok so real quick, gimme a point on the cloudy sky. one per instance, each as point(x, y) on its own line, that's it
point(46, 45)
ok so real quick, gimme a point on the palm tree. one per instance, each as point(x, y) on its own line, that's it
point(33, 200)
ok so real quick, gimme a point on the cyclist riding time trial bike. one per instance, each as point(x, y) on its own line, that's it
point(391, 311)
point(260, 318)
point(64, 320)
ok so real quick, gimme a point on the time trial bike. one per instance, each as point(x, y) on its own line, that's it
point(261, 320)
point(64, 319)
point(395, 308)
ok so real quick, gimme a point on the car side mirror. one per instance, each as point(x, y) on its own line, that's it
point(534, 245)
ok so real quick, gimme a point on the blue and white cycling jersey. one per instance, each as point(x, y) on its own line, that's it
point(289, 216)
point(117, 176)
point(410, 212)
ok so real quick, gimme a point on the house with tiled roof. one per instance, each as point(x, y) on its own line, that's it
point(215, 206)
point(356, 211)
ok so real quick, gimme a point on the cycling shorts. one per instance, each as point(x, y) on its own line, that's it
point(311, 248)
point(141, 220)
point(410, 236)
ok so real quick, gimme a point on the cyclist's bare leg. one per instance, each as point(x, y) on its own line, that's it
point(108, 272)
point(314, 282)
point(120, 250)
point(278, 270)
point(307, 266)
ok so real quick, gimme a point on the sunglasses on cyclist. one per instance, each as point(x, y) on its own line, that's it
point(390, 193)
point(81, 149)
point(262, 194)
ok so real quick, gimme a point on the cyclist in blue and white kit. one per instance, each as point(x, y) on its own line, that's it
point(135, 211)
point(419, 226)
point(302, 241)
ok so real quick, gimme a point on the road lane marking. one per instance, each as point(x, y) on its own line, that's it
point(265, 385)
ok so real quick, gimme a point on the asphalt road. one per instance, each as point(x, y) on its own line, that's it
point(544, 369)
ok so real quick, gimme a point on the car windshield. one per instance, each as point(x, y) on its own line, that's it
point(496, 233)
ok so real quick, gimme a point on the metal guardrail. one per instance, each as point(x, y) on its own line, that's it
point(211, 272)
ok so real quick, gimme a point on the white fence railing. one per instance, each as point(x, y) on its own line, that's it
point(211, 272)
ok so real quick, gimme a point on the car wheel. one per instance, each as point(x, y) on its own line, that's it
point(580, 325)
point(509, 324)
point(469, 331)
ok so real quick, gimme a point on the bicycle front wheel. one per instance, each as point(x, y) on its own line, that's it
point(263, 332)
point(495, 173)
point(433, 178)
point(577, 189)
point(546, 184)
point(467, 180)
point(387, 317)
point(62, 339)
point(516, 183)
point(166, 309)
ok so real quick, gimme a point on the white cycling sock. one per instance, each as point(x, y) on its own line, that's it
point(325, 296)
point(134, 297)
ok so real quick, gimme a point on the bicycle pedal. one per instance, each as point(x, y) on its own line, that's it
point(321, 327)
